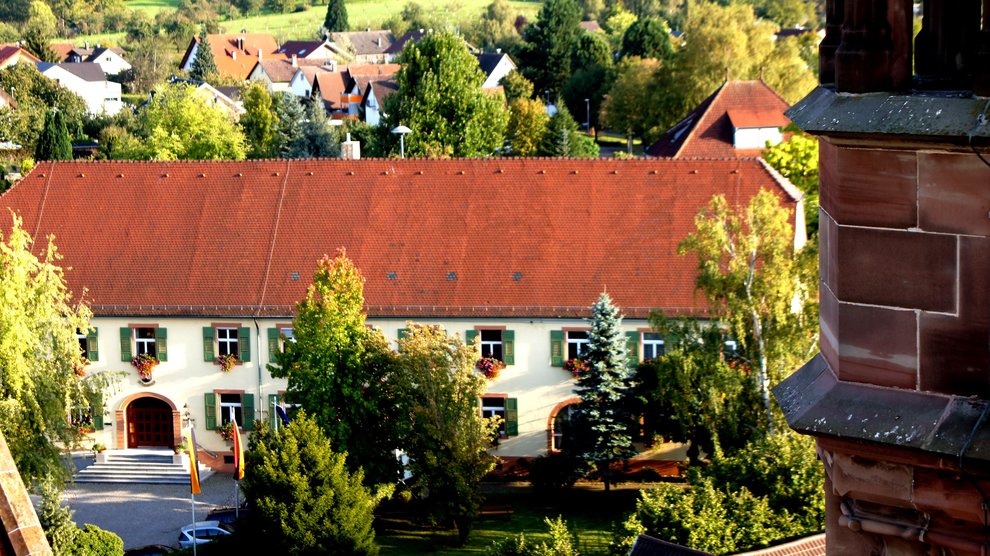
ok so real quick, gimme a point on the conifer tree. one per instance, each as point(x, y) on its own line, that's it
point(54, 142)
point(336, 19)
point(603, 413)
point(204, 66)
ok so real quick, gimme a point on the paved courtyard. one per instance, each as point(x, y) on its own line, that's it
point(146, 514)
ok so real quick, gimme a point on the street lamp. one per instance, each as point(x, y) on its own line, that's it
point(402, 130)
point(587, 112)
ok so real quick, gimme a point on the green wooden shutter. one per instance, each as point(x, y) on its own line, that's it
point(161, 341)
point(470, 336)
point(93, 344)
point(632, 349)
point(556, 348)
point(211, 411)
point(125, 345)
point(97, 404)
point(509, 347)
point(244, 343)
point(247, 411)
point(403, 332)
point(272, 402)
point(208, 354)
point(511, 417)
point(272, 344)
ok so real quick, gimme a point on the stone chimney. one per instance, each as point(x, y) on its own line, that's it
point(350, 150)
point(379, 41)
point(233, 54)
point(295, 61)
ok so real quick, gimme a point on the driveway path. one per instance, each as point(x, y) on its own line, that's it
point(146, 514)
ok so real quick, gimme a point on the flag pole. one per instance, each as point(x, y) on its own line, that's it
point(192, 499)
point(193, 480)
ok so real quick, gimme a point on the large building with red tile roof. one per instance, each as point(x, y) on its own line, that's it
point(737, 120)
point(191, 258)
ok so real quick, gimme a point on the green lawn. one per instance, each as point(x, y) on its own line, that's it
point(152, 7)
point(588, 510)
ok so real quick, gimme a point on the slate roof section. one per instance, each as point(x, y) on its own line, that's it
point(366, 43)
point(808, 546)
point(282, 71)
point(707, 130)
point(87, 71)
point(194, 238)
point(400, 43)
point(299, 48)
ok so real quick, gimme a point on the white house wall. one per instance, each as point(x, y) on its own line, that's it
point(185, 377)
point(99, 96)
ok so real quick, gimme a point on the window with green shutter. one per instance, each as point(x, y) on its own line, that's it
point(244, 343)
point(511, 417)
point(632, 349)
point(96, 402)
point(247, 409)
point(557, 348)
point(273, 344)
point(470, 336)
point(125, 344)
point(509, 347)
point(161, 338)
point(209, 355)
point(211, 411)
point(495, 405)
point(92, 351)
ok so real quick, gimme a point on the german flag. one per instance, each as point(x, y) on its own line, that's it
point(193, 462)
point(238, 454)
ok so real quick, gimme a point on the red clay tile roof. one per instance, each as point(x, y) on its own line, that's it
point(707, 131)
point(236, 58)
point(9, 52)
point(465, 237)
point(808, 546)
point(746, 118)
point(282, 71)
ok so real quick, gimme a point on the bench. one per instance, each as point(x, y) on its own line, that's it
point(495, 512)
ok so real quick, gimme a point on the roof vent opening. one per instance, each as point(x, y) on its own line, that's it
point(516, 276)
point(295, 276)
point(392, 275)
point(451, 276)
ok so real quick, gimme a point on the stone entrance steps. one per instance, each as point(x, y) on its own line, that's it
point(140, 466)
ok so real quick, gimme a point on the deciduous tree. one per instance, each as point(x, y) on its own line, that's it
point(630, 105)
point(449, 440)
point(441, 100)
point(341, 371)
point(797, 160)
point(605, 389)
point(528, 122)
point(758, 284)
point(258, 121)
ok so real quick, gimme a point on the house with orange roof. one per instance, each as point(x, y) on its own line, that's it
point(294, 75)
point(11, 54)
point(343, 91)
point(736, 120)
point(235, 54)
point(190, 281)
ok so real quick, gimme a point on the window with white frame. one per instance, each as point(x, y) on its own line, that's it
point(227, 341)
point(577, 343)
point(492, 406)
point(491, 344)
point(287, 334)
point(231, 409)
point(563, 430)
point(730, 348)
point(144, 342)
point(653, 345)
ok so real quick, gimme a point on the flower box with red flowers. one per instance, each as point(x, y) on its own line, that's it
point(576, 366)
point(144, 364)
point(490, 367)
point(226, 362)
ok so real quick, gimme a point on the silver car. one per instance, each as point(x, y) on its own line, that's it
point(205, 531)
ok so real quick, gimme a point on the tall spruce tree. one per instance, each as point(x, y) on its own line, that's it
point(204, 66)
point(54, 142)
point(603, 414)
point(290, 140)
point(336, 19)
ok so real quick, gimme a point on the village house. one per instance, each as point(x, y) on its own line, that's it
point(11, 54)
point(363, 47)
point(509, 252)
point(87, 80)
point(235, 54)
point(738, 119)
point(111, 60)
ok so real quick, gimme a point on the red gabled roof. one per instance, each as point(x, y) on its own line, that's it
point(237, 54)
point(708, 132)
point(10, 54)
point(808, 546)
point(463, 237)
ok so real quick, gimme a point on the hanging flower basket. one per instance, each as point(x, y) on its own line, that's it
point(576, 366)
point(226, 362)
point(226, 431)
point(80, 367)
point(490, 367)
point(144, 364)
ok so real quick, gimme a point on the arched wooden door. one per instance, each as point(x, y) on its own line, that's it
point(149, 424)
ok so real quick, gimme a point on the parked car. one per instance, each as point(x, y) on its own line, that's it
point(205, 531)
point(227, 515)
